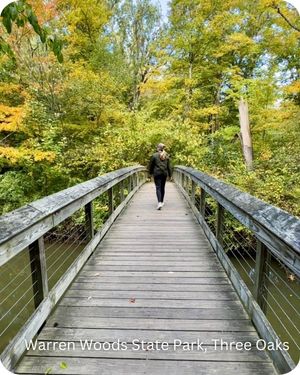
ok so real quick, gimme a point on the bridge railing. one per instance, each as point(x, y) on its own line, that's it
point(259, 248)
point(43, 246)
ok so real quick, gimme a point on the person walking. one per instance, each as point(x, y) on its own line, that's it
point(160, 168)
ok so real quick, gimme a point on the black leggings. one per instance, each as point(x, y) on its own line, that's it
point(160, 182)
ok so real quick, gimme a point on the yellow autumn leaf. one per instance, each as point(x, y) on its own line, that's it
point(11, 118)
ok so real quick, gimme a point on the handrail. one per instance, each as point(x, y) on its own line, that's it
point(276, 228)
point(270, 235)
point(25, 230)
point(21, 227)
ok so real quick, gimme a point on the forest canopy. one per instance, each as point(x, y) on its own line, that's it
point(89, 86)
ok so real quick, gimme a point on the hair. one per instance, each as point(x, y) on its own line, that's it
point(161, 150)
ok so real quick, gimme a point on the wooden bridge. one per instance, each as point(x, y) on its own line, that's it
point(147, 291)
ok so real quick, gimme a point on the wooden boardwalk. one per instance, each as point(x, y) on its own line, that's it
point(153, 278)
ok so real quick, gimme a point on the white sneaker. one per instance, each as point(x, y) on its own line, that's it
point(159, 206)
point(162, 204)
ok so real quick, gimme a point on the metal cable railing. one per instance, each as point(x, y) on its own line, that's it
point(19, 274)
point(49, 249)
point(260, 256)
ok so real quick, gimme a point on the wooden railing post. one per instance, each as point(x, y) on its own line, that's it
point(129, 183)
point(193, 192)
point(263, 258)
point(122, 190)
point(202, 202)
point(89, 221)
point(219, 223)
point(38, 270)
point(110, 200)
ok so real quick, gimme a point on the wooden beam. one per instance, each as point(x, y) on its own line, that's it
point(89, 220)
point(219, 223)
point(193, 192)
point(121, 186)
point(202, 201)
point(263, 258)
point(38, 271)
point(110, 200)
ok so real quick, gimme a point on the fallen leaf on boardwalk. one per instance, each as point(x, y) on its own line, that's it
point(97, 274)
point(90, 297)
point(132, 300)
point(63, 365)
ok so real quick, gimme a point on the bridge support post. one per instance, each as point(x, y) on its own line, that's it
point(129, 184)
point(121, 190)
point(89, 222)
point(193, 192)
point(219, 224)
point(182, 180)
point(202, 202)
point(38, 270)
point(263, 257)
point(110, 200)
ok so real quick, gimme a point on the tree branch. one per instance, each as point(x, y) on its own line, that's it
point(286, 19)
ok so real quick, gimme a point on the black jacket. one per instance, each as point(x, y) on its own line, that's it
point(159, 167)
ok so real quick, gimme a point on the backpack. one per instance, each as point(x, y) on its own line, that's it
point(162, 165)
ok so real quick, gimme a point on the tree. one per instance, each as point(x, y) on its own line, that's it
point(134, 30)
point(246, 134)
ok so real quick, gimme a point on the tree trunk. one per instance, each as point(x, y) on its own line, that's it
point(246, 134)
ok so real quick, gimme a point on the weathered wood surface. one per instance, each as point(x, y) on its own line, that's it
point(17, 345)
point(104, 366)
point(276, 228)
point(280, 357)
point(153, 277)
point(21, 227)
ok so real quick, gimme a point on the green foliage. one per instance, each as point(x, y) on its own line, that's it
point(20, 13)
point(128, 82)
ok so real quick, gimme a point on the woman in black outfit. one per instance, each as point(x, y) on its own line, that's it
point(160, 168)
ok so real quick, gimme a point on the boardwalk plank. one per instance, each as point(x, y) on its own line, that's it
point(153, 287)
point(154, 280)
point(162, 303)
point(93, 366)
point(150, 312)
point(61, 320)
point(209, 353)
point(128, 335)
point(150, 274)
point(154, 268)
point(185, 295)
